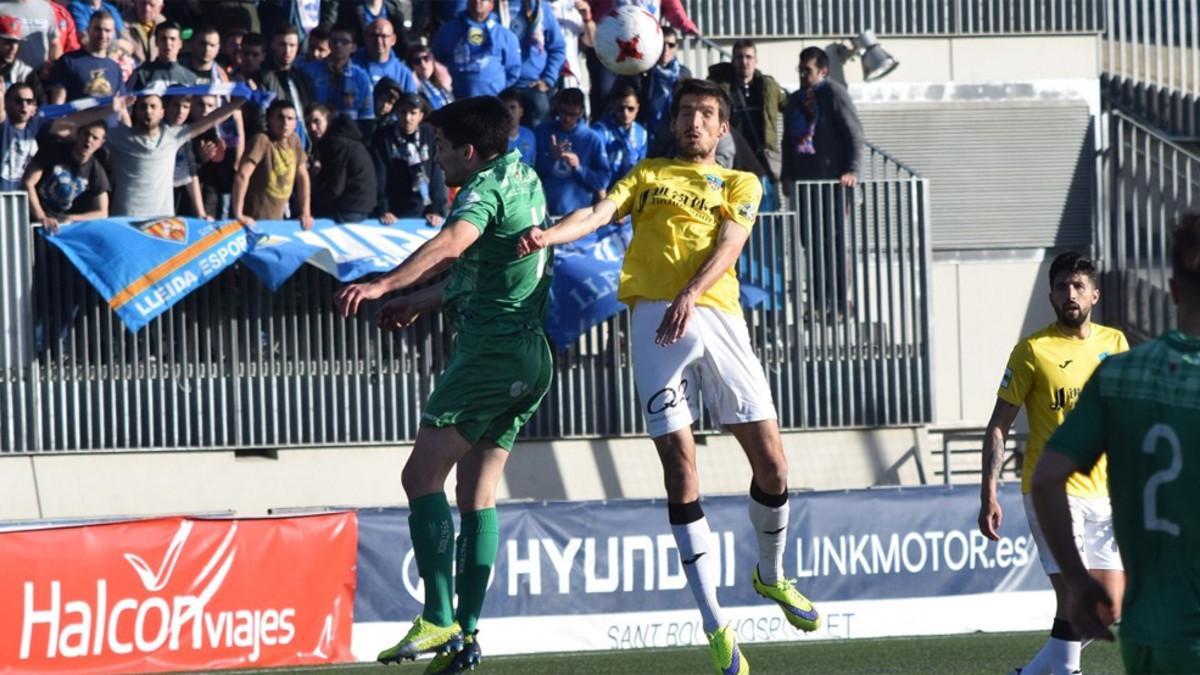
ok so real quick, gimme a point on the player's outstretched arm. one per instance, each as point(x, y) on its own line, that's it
point(400, 312)
point(730, 242)
point(1087, 598)
point(432, 257)
point(994, 441)
point(578, 223)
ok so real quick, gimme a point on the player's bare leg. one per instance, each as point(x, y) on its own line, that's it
point(768, 508)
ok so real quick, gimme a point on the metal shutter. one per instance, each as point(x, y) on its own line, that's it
point(1002, 175)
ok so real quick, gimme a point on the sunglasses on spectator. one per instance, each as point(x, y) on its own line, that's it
point(671, 45)
point(26, 101)
point(421, 57)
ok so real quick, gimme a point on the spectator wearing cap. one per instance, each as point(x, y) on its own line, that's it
point(340, 84)
point(543, 53)
point(433, 80)
point(571, 161)
point(66, 183)
point(82, 10)
point(273, 167)
point(143, 152)
point(483, 56)
point(378, 59)
point(22, 129)
point(12, 69)
point(411, 182)
point(345, 188)
point(520, 137)
point(88, 72)
point(141, 20)
point(165, 68)
point(38, 30)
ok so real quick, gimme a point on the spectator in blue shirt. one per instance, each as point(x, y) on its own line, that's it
point(571, 160)
point(378, 59)
point(625, 141)
point(520, 137)
point(543, 52)
point(656, 87)
point(483, 56)
point(82, 10)
point(340, 84)
point(88, 72)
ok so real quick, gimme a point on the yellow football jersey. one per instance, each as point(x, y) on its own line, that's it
point(1045, 373)
point(678, 208)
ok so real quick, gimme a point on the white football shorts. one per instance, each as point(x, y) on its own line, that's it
point(1091, 521)
point(713, 357)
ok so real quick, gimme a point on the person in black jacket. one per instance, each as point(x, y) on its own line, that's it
point(345, 187)
point(411, 183)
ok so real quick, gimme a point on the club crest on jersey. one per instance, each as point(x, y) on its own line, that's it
point(747, 211)
point(167, 229)
point(714, 182)
point(1004, 381)
point(1103, 355)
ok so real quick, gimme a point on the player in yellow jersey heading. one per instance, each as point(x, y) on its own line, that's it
point(691, 219)
point(1045, 373)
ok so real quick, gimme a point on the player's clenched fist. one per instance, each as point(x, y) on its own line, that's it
point(535, 239)
point(349, 298)
point(398, 313)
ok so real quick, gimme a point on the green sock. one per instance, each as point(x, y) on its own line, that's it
point(477, 547)
point(431, 526)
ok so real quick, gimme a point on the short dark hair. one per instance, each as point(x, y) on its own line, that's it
point(280, 104)
point(1185, 252)
point(1071, 263)
point(572, 97)
point(670, 30)
point(289, 29)
point(480, 121)
point(101, 124)
point(254, 40)
point(166, 26)
point(509, 95)
point(815, 54)
point(695, 87)
point(317, 34)
point(101, 14)
point(206, 29)
point(341, 28)
point(9, 93)
point(744, 43)
point(621, 92)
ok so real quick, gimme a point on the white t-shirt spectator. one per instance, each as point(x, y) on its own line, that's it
point(144, 170)
point(38, 27)
point(570, 21)
point(17, 147)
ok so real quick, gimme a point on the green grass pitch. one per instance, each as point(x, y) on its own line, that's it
point(990, 653)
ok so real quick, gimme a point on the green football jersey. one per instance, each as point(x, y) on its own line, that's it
point(492, 291)
point(1143, 407)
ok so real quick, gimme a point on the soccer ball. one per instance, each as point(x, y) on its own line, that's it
point(629, 40)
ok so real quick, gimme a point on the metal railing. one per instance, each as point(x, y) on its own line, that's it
point(1152, 181)
point(1151, 61)
point(234, 365)
point(840, 18)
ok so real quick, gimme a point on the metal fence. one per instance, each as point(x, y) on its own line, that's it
point(235, 365)
point(1151, 61)
point(840, 18)
point(1152, 181)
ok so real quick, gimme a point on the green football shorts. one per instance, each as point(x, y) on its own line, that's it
point(491, 387)
point(1148, 659)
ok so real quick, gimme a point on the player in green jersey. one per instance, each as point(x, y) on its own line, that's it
point(499, 369)
point(1143, 407)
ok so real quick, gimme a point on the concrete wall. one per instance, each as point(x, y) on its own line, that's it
point(132, 484)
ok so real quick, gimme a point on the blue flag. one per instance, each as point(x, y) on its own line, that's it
point(143, 266)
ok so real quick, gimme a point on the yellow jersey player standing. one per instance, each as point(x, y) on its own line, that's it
point(1046, 372)
point(691, 219)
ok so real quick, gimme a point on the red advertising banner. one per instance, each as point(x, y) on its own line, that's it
point(178, 594)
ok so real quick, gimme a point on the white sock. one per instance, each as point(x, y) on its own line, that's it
point(1056, 657)
point(770, 526)
point(694, 541)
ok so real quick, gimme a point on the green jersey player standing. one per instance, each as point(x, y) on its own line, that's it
point(499, 370)
point(1143, 407)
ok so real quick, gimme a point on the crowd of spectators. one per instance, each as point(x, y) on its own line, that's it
point(352, 81)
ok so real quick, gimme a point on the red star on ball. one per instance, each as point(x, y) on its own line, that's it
point(629, 49)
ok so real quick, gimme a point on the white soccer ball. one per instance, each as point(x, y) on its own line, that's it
point(629, 40)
